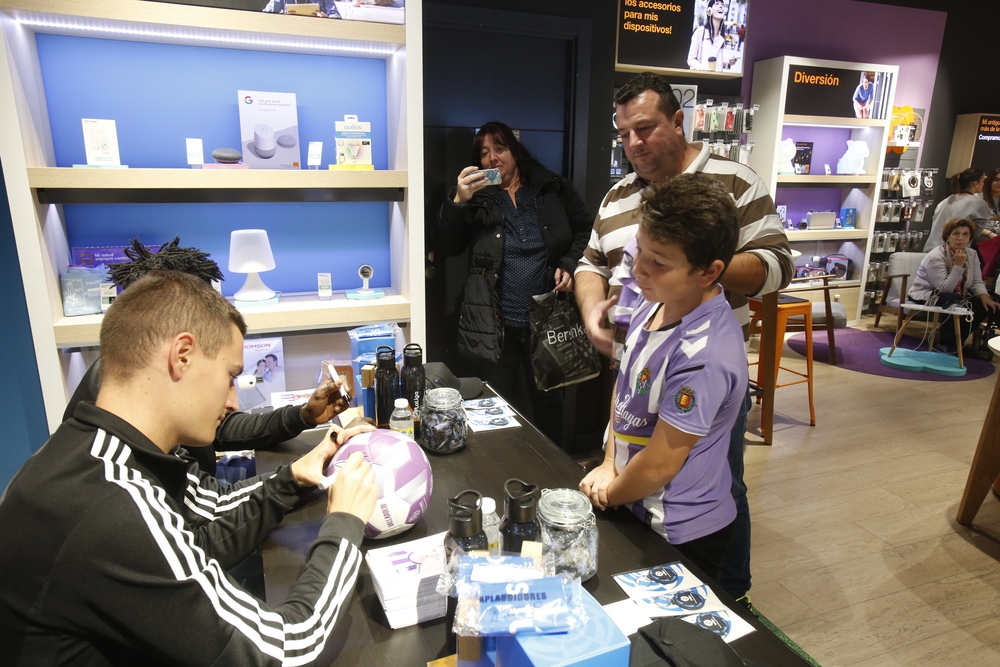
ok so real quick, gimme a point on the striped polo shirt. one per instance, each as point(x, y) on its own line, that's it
point(761, 231)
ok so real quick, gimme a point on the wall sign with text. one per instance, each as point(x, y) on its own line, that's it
point(693, 37)
point(843, 93)
point(986, 149)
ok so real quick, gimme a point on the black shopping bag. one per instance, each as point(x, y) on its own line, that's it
point(561, 353)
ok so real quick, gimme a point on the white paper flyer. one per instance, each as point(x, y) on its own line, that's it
point(264, 358)
point(100, 139)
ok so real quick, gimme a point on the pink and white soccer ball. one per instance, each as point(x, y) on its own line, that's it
point(402, 474)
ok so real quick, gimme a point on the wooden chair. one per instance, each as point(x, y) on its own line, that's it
point(825, 314)
point(902, 266)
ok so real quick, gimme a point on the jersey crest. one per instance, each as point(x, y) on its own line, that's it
point(684, 399)
point(643, 381)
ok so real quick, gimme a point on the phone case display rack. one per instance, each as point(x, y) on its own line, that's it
point(36, 188)
point(902, 222)
point(800, 193)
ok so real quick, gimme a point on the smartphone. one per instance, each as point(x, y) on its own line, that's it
point(492, 175)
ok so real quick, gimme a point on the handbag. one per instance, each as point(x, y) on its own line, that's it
point(561, 353)
point(990, 252)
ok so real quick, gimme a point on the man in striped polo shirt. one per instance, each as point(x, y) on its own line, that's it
point(651, 126)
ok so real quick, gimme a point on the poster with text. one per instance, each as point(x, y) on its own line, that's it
point(264, 359)
point(694, 37)
point(986, 150)
point(841, 93)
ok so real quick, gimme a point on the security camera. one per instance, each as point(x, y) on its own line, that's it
point(365, 271)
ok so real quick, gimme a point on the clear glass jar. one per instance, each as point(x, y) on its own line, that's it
point(569, 533)
point(443, 425)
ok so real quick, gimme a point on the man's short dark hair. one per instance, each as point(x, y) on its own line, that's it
point(271, 356)
point(696, 213)
point(649, 81)
point(154, 309)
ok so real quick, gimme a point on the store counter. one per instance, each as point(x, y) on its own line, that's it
point(363, 636)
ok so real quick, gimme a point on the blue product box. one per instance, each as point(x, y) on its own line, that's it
point(848, 218)
point(365, 340)
point(99, 255)
point(81, 290)
point(598, 644)
point(370, 338)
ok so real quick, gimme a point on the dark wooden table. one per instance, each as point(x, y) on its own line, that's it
point(363, 636)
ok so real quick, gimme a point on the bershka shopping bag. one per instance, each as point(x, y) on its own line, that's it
point(561, 353)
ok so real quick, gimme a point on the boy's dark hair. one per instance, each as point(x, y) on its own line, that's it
point(649, 81)
point(696, 213)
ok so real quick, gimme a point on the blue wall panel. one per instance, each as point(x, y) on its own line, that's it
point(25, 428)
point(305, 238)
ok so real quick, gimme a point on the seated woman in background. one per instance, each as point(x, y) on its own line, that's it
point(962, 204)
point(952, 273)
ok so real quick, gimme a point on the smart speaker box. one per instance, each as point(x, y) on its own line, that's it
point(599, 643)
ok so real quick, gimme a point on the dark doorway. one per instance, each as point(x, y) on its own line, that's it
point(529, 71)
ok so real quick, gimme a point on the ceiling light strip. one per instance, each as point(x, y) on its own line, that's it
point(165, 33)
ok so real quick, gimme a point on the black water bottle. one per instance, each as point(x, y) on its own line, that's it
point(465, 534)
point(411, 379)
point(386, 385)
point(520, 516)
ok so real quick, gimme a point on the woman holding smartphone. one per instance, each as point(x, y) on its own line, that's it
point(524, 235)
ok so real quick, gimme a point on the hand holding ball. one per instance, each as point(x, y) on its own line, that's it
point(402, 474)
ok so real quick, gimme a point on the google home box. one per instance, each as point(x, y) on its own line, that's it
point(269, 130)
point(354, 144)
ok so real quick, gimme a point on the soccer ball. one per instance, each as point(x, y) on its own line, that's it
point(402, 474)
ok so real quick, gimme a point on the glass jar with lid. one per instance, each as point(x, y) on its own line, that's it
point(443, 425)
point(569, 533)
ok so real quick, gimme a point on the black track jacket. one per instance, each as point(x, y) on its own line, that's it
point(114, 553)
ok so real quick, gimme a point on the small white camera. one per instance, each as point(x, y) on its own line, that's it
point(365, 272)
point(244, 382)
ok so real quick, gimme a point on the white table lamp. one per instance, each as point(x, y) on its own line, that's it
point(250, 253)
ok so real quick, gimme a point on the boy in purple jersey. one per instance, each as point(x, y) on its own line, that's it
point(683, 374)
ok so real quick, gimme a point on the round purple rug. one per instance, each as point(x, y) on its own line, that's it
point(858, 350)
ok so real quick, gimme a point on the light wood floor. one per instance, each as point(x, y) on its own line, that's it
point(856, 552)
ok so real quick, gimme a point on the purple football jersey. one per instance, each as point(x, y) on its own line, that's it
point(693, 375)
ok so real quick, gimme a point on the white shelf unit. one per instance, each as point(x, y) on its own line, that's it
point(770, 83)
point(36, 188)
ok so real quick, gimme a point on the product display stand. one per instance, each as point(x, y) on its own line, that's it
point(37, 188)
point(778, 118)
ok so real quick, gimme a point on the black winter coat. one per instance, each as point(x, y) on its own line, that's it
point(479, 227)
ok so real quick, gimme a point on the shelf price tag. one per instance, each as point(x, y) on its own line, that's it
point(315, 155)
point(195, 151)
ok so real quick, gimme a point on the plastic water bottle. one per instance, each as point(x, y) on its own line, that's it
point(491, 525)
point(401, 419)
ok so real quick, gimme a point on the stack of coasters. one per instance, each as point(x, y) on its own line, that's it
point(405, 577)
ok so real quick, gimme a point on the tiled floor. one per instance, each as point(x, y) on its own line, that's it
point(856, 552)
